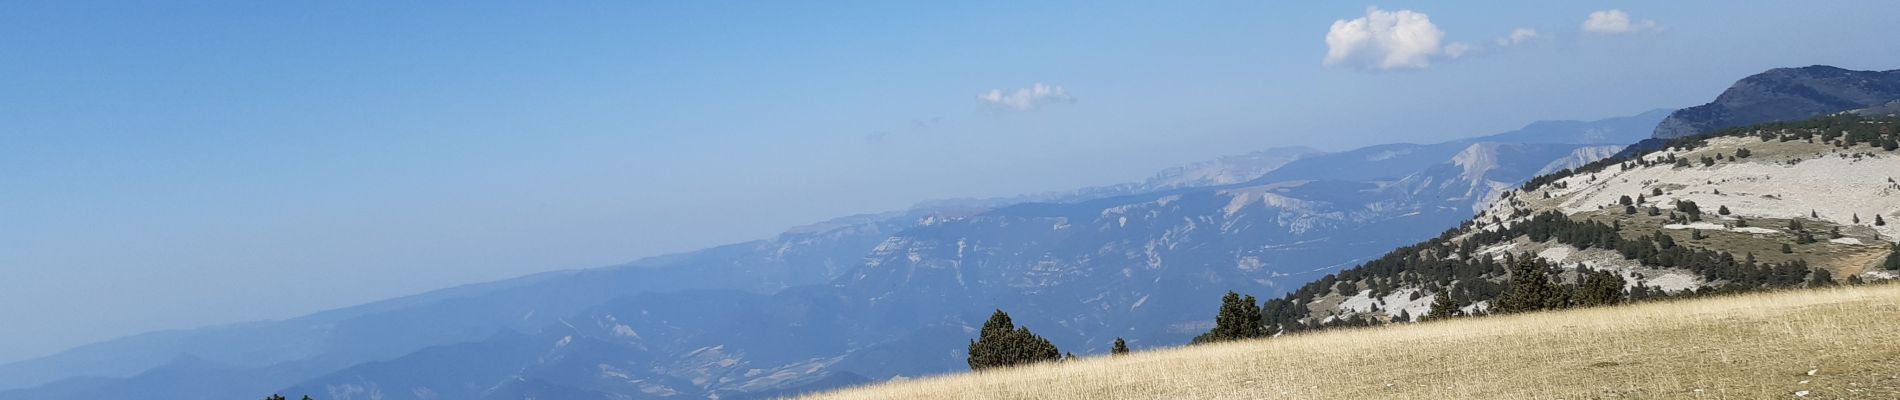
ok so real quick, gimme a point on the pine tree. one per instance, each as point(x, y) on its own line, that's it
point(1442, 307)
point(1689, 207)
point(274, 397)
point(1722, 210)
point(1893, 259)
point(1600, 288)
point(1121, 347)
point(1531, 289)
point(1002, 344)
point(1820, 277)
point(1786, 249)
point(1239, 318)
point(1879, 221)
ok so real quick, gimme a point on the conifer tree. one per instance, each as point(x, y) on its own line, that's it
point(1002, 344)
point(1239, 318)
point(1689, 207)
point(1722, 210)
point(1820, 277)
point(1442, 306)
point(1531, 289)
point(1600, 288)
point(1893, 259)
point(1121, 347)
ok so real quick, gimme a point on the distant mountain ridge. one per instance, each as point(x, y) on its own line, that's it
point(1785, 94)
point(1138, 266)
point(1219, 171)
point(857, 296)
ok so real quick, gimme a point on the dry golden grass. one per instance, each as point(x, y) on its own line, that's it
point(1742, 347)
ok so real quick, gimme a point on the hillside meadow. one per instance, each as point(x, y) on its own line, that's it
point(1817, 343)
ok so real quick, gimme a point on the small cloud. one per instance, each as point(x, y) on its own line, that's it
point(877, 137)
point(1615, 22)
point(1517, 36)
point(1026, 98)
point(1457, 49)
point(1384, 40)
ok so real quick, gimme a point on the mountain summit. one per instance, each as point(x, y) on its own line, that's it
point(1785, 94)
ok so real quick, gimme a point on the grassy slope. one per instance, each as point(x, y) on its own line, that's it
point(1752, 346)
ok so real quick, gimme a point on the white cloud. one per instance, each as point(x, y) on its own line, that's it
point(1518, 36)
point(1026, 98)
point(1386, 40)
point(1457, 49)
point(1613, 22)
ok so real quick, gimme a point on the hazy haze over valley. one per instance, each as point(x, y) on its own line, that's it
point(720, 199)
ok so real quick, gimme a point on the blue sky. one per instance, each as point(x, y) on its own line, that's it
point(177, 165)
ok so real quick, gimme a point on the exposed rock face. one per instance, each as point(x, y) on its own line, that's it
point(1785, 94)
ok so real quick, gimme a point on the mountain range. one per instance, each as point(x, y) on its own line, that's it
point(890, 295)
point(856, 298)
